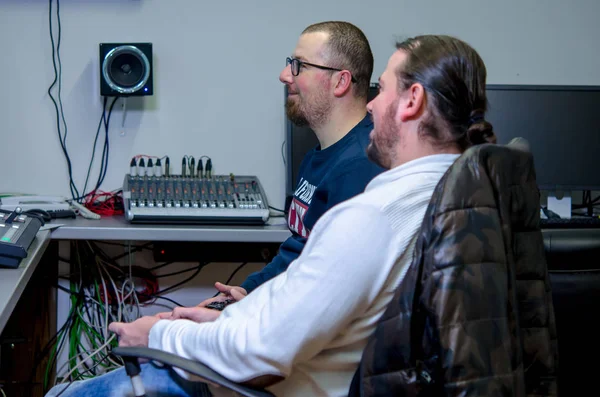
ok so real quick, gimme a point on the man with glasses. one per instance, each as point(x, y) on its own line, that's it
point(327, 79)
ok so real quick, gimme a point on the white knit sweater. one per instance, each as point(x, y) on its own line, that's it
point(311, 323)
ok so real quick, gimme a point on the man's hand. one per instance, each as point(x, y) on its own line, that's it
point(226, 292)
point(135, 333)
point(164, 315)
point(231, 291)
point(196, 314)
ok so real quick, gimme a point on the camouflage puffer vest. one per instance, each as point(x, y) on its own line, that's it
point(474, 314)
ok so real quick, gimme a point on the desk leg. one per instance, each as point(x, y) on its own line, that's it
point(28, 331)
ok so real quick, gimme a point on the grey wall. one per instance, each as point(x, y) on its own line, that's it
point(216, 73)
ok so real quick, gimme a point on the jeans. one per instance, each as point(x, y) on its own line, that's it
point(158, 381)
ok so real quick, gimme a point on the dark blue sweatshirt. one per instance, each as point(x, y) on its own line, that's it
point(326, 178)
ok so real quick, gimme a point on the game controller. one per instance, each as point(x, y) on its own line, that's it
point(219, 305)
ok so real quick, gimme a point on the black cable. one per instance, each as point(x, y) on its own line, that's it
point(231, 276)
point(58, 107)
point(80, 353)
point(137, 246)
point(68, 291)
point(182, 282)
point(96, 251)
point(60, 345)
point(86, 307)
point(98, 308)
point(70, 318)
point(586, 201)
point(37, 216)
point(78, 303)
point(65, 389)
point(179, 272)
point(160, 266)
point(46, 349)
point(60, 258)
point(94, 147)
point(62, 112)
point(234, 272)
point(164, 298)
point(283, 153)
point(277, 209)
point(48, 346)
point(105, 150)
point(92, 368)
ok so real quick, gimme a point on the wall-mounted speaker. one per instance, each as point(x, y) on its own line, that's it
point(126, 69)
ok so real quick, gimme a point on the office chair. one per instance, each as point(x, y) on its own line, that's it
point(131, 354)
point(572, 257)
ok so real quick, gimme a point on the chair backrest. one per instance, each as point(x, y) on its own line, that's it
point(480, 287)
point(572, 257)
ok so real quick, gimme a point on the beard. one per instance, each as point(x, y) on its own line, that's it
point(295, 113)
point(312, 113)
point(384, 139)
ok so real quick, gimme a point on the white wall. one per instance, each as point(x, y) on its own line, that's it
point(216, 73)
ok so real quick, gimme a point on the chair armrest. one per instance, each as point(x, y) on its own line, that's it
point(190, 366)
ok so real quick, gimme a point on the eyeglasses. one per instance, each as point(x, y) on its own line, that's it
point(296, 64)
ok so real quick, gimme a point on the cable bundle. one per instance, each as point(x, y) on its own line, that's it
point(101, 292)
point(105, 203)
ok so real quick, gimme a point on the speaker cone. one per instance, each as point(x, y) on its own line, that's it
point(126, 69)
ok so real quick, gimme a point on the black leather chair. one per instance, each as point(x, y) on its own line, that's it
point(572, 256)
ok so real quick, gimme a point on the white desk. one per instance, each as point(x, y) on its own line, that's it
point(14, 281)
point(118, 228)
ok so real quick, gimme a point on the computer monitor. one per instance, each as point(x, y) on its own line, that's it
point(299, 140)
point(562, 125)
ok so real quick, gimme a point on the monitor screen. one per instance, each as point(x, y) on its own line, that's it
point(299, 140)
point(562, 125)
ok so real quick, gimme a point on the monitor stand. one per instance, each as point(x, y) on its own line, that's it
point(559, 202)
